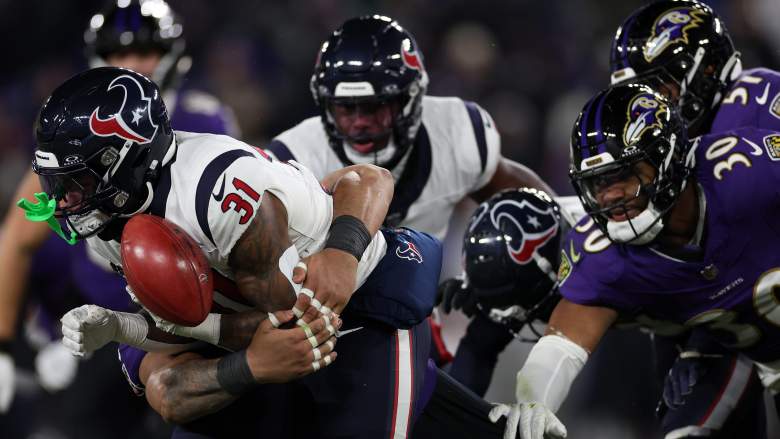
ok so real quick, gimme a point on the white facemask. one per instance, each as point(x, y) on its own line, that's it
point(638, 230)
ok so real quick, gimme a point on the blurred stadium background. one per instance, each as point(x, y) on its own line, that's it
point(531, 64)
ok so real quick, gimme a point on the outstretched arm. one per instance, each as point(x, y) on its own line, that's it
point(544, 381)
point(19, 239)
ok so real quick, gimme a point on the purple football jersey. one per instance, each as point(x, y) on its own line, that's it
point(752, 101)
point(725, 287)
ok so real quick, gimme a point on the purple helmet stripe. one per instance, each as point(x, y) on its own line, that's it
point(584, 130)
point(624, 43)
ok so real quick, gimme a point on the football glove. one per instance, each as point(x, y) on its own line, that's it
point(456, 293)
point(533, 419)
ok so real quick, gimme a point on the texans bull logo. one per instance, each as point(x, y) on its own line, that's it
point(407, 250)
point(411, 59)
point(671, 27)
point(529, 227)
point(133, 124)
point(645, 112)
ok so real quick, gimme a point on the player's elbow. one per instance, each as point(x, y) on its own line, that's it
point(163, 396)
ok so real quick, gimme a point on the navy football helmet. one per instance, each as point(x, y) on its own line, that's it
point(139, 26)
point(511, 253)
point(102, 138)
point(371, 59)
point(616, 130)
point(681, 43)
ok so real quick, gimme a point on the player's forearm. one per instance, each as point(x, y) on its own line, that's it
point(19, 239)
point(365, 192)
point(549, 371)
point(187, 390)
point(14, 270)
point(236, 330)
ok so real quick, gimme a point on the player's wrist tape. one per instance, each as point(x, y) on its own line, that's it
point(233, 373)
point(208, 330)
point(349, 234)
point(132, 329)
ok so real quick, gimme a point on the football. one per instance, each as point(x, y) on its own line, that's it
point(166, 270)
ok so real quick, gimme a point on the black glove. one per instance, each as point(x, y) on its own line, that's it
point(687, 370)
point(456, 294)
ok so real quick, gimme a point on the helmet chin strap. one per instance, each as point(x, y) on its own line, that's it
point(638, 230)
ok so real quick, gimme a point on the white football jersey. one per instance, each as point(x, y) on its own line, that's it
point(215, 185)
point(456, 152)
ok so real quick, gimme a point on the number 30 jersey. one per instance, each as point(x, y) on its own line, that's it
point(214, 187)
point(727, 286)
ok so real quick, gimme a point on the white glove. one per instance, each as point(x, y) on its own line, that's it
point(55, 366)
point(89, 327)
point(535, 421)
point(7, 381)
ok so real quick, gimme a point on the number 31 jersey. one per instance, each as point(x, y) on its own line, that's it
point(214, 187)
point(728, 285)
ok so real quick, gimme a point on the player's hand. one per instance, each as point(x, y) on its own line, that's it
point(534, 420)
point(55, 366)
point(278, 355)
point(455, 293)
point(7, 381)
point(330, 277)
point(686, 371)
point(88, 328)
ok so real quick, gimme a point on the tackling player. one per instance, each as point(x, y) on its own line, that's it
point(252, 216)
point(665, 239)
point(684, 50)
point(370, 83)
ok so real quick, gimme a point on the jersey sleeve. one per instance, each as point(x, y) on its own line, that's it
point(590, 269)
point(741, 161)
point(228, 195)
point(488, 142)
point(752, 101)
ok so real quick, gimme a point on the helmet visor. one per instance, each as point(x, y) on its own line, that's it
point(76, 190)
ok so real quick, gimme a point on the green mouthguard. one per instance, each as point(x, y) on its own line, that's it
point(43, 210)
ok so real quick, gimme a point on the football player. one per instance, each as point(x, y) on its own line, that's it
point(145, 36)
point(510, 257)
point(664, 241)
point(252, 216)
point(684, 50)
point(370, 83)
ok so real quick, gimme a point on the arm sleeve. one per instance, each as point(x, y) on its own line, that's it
point(488, 142)
point(548, 373)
